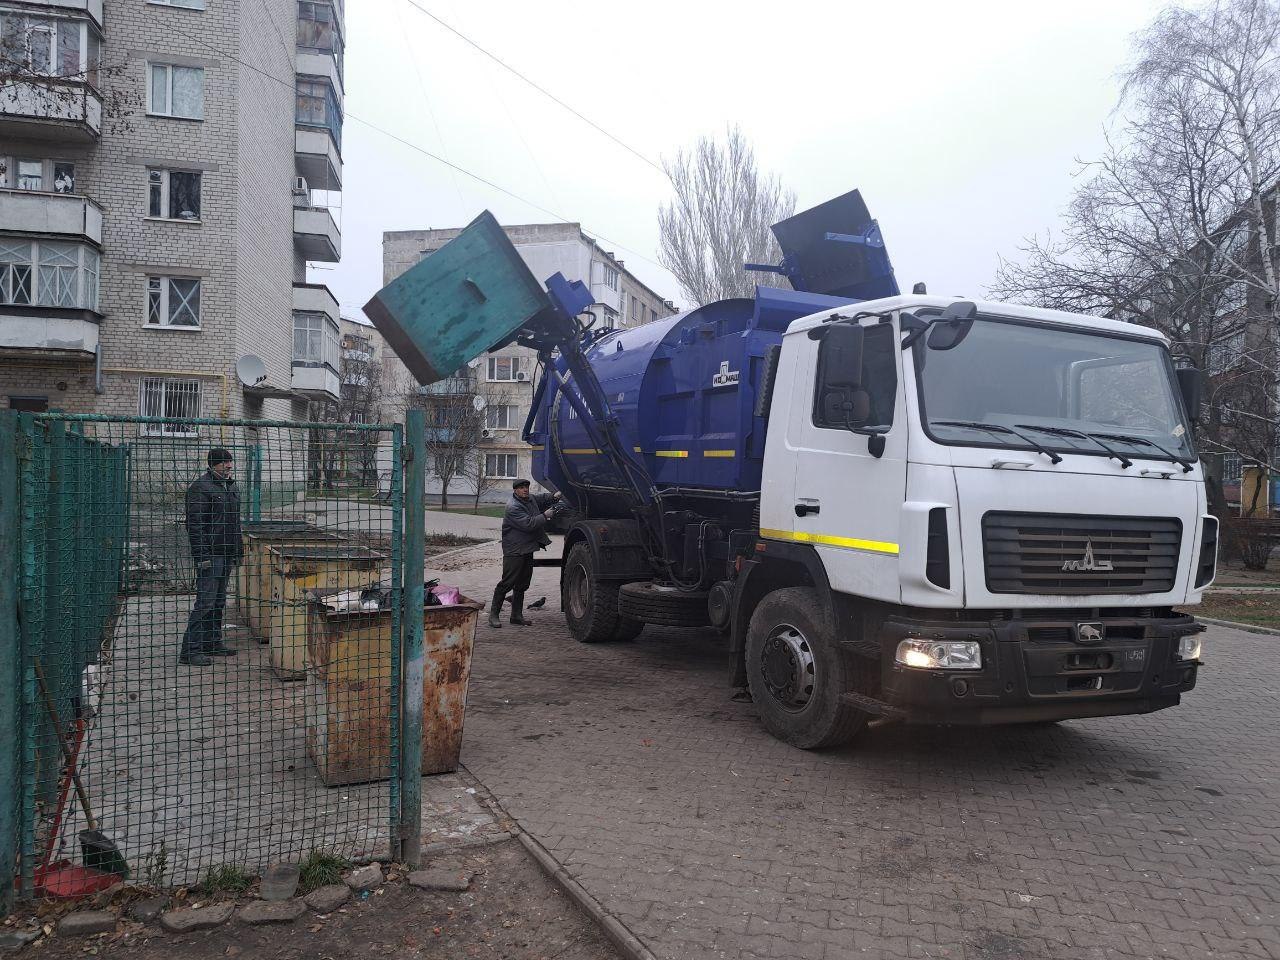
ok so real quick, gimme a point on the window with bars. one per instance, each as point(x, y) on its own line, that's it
point(501, 466)
point(173, 194)
point(505, 369)
point(48, 273)
point(175, 91)
point(173, 302)
point(317, 106)
point(172, 399)
point(500, 416)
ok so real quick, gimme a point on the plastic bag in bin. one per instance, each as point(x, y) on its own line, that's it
point(444, 596)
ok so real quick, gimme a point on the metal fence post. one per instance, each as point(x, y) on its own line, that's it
point(10, 660)
point(255, 482)
point(412, 656)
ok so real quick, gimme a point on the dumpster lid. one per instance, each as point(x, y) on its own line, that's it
point(836, 248)
point(309, 533)
point(336, 551)
point(471, 295)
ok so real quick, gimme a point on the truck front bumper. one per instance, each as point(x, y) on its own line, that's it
point(1037, 668)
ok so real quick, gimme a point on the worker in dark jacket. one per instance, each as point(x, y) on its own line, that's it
point(213, 529)
point(523, 533)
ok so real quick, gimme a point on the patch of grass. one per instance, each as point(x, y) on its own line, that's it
point(229, 878)
point(1258, 609)
point(321, 869)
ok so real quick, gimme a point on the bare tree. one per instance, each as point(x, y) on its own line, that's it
point(720, 219)
point(1174, 225)
point(455, 425)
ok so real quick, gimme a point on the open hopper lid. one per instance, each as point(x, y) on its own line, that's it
point(836, 249)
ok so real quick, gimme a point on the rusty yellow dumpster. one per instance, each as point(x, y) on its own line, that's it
point(294, 570)
point(348, 697)
point(253, 583)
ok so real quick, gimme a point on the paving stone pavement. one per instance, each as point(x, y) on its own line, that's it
point(1143, 837)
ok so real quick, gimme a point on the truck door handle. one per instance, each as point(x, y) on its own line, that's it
point(806, 507)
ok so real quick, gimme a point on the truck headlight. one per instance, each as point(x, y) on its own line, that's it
point(939, 654)
point(1190, 647)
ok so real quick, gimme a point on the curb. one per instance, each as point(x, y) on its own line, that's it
point(1246, 627)
point(617, 932)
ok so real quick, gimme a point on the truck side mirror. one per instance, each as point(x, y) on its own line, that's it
point(953, 326)
point(1191, 385)
point(842, 357)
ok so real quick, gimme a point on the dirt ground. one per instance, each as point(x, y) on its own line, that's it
point(1259, 609)
point(1234, 574)
point(513, 911)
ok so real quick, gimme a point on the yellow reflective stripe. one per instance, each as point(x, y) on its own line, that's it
point(584, 451)
point(849, 543)
point(638, 450)
point(676, 454)
point(535, 446)
point(719, 453)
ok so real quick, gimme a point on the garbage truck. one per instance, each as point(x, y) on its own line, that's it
point(934, 509)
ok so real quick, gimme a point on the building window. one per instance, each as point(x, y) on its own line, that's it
point(173, 302)
point(609, 276)
point(48, 273)
point(29, 404)
point(317, 106)
point(68, 49)
point(501, 416)
point(58, 175)
point(501, 466)
point(175, 91)
point(30, 175)
point(505, 369)
point(64, 177)
point(1225, 352)
point(318, 31)
point(1232, 468)
point(315, 340)
point(173, 194)
point(172, 399)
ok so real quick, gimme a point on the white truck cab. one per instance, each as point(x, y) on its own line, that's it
point(1005, 504)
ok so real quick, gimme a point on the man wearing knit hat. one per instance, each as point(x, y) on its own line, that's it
point(213, 529)
point(523, 532)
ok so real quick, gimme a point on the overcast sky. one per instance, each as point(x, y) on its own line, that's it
point(960, 123)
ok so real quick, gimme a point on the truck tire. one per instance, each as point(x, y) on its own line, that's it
point(591, 605)
point(663, 605)
point(796, 672)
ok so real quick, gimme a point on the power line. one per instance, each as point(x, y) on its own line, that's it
point(541, 89)
point(291, 84)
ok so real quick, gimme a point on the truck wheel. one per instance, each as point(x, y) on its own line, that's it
point(591, 605)
point(796, 672)
point(663, 605)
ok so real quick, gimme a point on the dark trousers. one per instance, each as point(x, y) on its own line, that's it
point(517, 571)
point(204, 626)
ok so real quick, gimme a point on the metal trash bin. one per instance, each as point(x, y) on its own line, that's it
point(348, 698)
point(295, 570)
point(253, 583)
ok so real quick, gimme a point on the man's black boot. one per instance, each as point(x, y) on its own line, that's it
point(517, 611)
point(495, 610)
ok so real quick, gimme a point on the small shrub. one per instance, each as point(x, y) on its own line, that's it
point(230, 878)
point(321, 869)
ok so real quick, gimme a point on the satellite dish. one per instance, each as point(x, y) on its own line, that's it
point(479, 402)
point(251, 370)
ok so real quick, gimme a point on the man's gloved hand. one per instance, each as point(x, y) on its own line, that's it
point(557, 495)
point(204, 565)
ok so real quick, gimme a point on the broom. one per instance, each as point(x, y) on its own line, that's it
point(96, 851)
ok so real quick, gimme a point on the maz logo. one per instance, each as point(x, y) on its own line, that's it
point(725, 376)
point(1088, 563)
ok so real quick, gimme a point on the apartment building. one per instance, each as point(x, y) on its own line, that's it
point(167, 170)
point(506, 379)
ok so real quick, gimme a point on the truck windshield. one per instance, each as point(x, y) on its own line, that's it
point(1030, 386)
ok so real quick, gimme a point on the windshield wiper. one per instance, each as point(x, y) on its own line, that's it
point(1000, 428)
point(1187, 465)
point(1125, 462)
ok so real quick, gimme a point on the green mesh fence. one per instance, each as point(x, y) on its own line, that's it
point(182, 628)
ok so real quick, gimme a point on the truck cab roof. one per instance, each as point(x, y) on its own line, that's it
point(988, 308)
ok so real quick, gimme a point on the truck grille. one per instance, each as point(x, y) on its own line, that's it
point(1063, 554)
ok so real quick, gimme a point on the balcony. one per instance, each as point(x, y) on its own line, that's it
point(318, 382)
point(92, 7)
point(48, 333)
point(315, 234)
point(316, 298)
point(50, 110)
point(317, 158)
point(315, 64)
point(448, 387)
point(50, 214)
